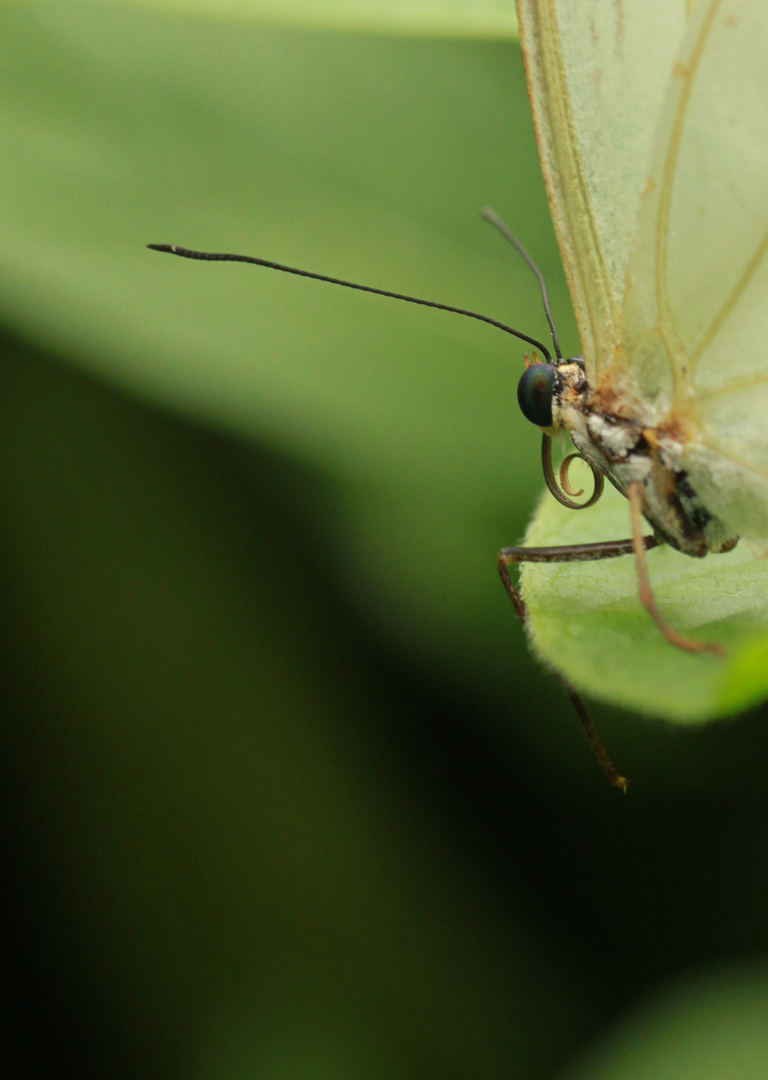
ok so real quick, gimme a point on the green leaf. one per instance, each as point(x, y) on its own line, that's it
point(586, 620)
point(707, 1028)
point(171, 129)
point(456, 18)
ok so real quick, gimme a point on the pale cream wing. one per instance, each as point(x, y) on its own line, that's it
point(597, 74)
point(696, 303)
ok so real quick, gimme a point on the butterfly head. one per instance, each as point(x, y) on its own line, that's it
point(535, 392)
point(545, 389)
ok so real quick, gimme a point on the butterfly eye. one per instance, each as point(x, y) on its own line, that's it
point(534, 394)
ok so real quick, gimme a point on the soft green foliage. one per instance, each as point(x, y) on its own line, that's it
point(710, 1027)
point(461, 18)
point(586, 619)
point(360, 157)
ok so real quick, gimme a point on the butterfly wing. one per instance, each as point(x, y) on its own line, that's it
point(685, 238)
point(597, 74)
point(695, 313)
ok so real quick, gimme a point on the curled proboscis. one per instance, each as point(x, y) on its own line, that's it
point(563, 491)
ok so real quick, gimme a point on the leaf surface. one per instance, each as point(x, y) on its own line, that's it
point(460, 18)
point(586, 619)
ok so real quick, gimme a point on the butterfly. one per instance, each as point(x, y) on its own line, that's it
point(652, 127)
point(653, 139)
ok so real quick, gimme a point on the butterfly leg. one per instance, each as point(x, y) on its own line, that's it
point(610, 549)
point(635, 497)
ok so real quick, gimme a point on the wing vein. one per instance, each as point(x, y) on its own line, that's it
point(733, 386)
point(666, 322)
point(724, 451)
point(730, 303)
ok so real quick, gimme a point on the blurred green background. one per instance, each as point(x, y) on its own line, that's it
point(284, 794)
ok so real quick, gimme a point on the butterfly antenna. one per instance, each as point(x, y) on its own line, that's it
point(495, 220)
point(209, 256)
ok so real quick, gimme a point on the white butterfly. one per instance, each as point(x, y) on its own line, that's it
point(652, 123)
point(653, 131)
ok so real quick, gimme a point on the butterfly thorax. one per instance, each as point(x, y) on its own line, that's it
point(627, 448)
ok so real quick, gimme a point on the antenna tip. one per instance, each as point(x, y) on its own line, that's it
point(170, 248)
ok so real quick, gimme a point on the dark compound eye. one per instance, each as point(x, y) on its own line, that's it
point(534, 394)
